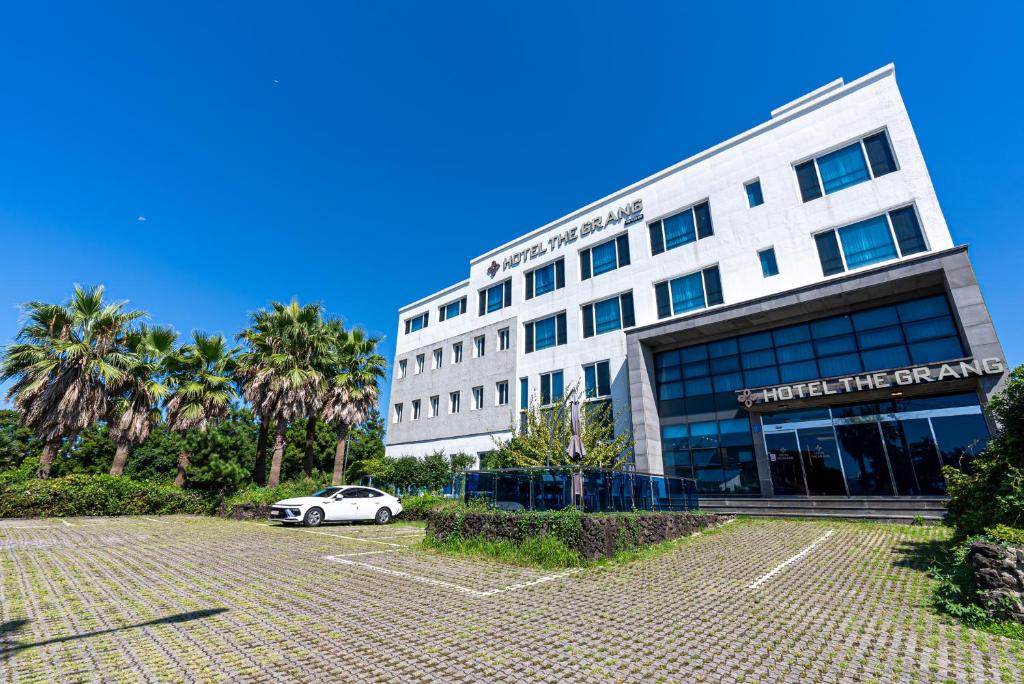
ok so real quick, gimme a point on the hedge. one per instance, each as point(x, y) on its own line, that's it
point(591, 535)
point(100, 495)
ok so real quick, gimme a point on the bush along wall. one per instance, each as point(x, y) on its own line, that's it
point(76, 495)
point(591, 535)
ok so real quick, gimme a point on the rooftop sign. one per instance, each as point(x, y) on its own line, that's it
point(627, 214)
point(913, 375)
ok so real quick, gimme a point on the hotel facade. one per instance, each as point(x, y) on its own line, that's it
point(784, 314)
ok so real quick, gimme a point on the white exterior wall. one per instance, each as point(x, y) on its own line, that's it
point(820, 122)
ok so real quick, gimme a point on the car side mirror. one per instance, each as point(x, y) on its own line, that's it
point(338, 497)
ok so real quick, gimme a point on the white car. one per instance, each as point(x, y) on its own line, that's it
point(336, 504)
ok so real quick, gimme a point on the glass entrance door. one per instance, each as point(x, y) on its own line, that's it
point(784, 460)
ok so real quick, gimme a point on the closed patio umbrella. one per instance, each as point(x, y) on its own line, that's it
point(575, 451)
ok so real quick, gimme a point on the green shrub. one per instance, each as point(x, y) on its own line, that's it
point(76, 495)
point(417, 507)
point(1010, 536)
point(993, 493)
point(544, 551)
point(288, 489)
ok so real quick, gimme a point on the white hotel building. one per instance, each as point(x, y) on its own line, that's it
point(784, 314)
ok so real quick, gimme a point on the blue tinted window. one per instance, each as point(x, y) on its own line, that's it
point(795, 352)
point(604, 257)
point(831, 326)
point(875, 318)
point(840, 365)
point(835, 345)
point(843, 168)
point(807, 178)
point(793, 333)
point(544, 333)
point(524, 393)
point(687, 293)
point(417, 323)
point(697, 352)
point(695, 370)
point(544, 279)
point(795, 372)
point(495, 298)
point(725, 365)
point(679, 229)
point(928, 307)
point(757, 359)
point(880, 337)
point(723, 348)
point(828, 253)
point(867, 242)
point(725, 382)
point(928, 329)
point(936, 350)
point(762, 376)
point(880, 154)
point(908, 231)
point(886, 357)
point(606, 315)
point(756, 341)
point(697, 386)
point(769, 266)
point(664, 303)
point(754, 196)
point(557, 389)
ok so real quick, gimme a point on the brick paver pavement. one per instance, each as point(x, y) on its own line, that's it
point(204, 599)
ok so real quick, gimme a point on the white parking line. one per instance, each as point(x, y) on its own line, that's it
point(789, 561)
point(66, 523)
point(477, 593)
point(165, 522)
point(362, 553)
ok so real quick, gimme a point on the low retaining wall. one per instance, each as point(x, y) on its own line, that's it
point(592, 535)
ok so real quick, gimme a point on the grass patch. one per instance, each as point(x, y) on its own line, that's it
point(546, 552)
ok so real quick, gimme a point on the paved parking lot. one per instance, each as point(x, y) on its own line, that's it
point(203, 599)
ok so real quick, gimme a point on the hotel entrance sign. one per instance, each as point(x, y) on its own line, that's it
point(913, 375)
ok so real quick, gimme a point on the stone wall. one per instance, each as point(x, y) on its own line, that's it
point(245, 511)
point(999, 574)
point(592, 535)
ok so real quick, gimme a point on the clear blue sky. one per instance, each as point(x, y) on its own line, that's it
point(360, 155)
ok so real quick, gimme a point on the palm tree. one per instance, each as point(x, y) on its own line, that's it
point(134, 399)
point(61, 363)
point(202, 389)
point(352, 390)
point(279, 375)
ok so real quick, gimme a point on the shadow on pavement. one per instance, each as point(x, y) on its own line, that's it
point(9, 647)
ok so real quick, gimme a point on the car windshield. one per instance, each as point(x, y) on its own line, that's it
point(327, 492)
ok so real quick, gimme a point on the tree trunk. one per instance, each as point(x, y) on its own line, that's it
point(340, 451)
point(259, 474)
point(278, 456)
point(120, 458)
point(307, 460)
point(46, 459)
point(183, 459)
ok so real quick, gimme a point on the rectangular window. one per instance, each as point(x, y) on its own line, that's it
point(479, 346)
point(454, 402)
point(398, 413)
point(754, 196)
point(501, 393)
point(457, 352)
point(416, 322)
point(545, 279)
point(495, 297)
point(597, 379)
point(478, 398)
point(415, 409)
point(856, 163)
point(870, 241)
point(420, 359)
point(503, 339)
point(680, 229)
point(769, 266)
point(438, 355)
point(545, 333)
point(604, 257)
point(435, 402)
point(456, 308)
point(524, 393)
point(402, 364)
point(609, 314)
point(551, 388)
point(687, 293)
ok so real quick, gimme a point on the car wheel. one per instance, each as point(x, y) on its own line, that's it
point(383, 516)
point(314, 516)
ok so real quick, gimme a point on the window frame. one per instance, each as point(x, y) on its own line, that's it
point(442, 311)
point(623, 318)
point(425, 315)
point(479, 346)
point(597, 381)
point(437, 358)
point(454, 402)
point(835, 148)
point(550, 376)
point(402, 367)
point(416, 409)
point(586, 256)
point(557, 267)
point(506, 298)
point(457, 352)
point(696, 227)
point(421, 364)
point(561, 332)
point(399, 406)
point(477, 393)
point(775, 261)
point(498, 393)
point(704, 285)
point(892, 235)
point(760, 192)
point(504, 338)
point(433, 406)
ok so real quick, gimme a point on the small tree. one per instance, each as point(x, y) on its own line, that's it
point(993, 493)
point(546, 430)
point(435, 471)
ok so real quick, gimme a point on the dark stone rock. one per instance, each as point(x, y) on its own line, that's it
point(245, 511)
point(999, 575)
